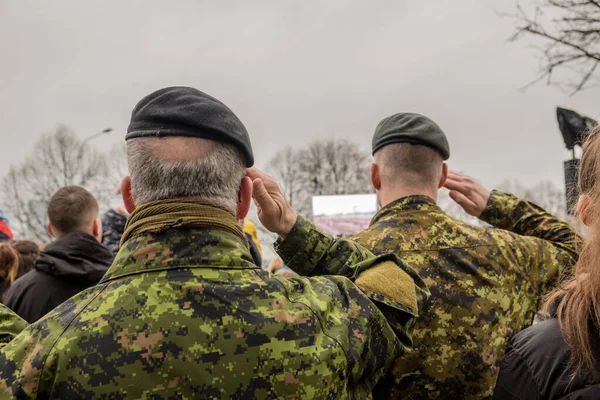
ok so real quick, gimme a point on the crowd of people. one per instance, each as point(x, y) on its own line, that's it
point(164, 296)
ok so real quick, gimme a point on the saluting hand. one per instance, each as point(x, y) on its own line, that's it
point(274, 211)
point(470, 195)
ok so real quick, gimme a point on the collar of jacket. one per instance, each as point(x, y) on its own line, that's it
point(158, 216)
point(177, 234)
point(76, 256)
point(408, 203)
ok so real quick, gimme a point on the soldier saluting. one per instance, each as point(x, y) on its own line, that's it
point(183, 312)
point(485, 283)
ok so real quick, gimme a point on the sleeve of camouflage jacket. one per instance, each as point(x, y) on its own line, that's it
point(10, 325)
point(543, 245)
point(395, 288)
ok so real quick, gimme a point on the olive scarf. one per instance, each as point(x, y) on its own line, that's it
point(158, 216)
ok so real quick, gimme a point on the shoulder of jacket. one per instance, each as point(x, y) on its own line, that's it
point(545, 353)
point(536, 337)
point(36, 346)
point(25, 282)
point(326, 297)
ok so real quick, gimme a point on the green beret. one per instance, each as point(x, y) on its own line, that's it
point(411, 128)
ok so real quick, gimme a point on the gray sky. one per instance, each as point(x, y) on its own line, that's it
point(292, 71)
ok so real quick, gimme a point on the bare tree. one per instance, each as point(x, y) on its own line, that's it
point(544, 193)
point(117, 161)
point(336, 167)
point(285, 168)
point(323, 167)
point(116, 165)
point(57, 160)
point(569, 33)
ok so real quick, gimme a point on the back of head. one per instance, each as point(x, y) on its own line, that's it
point(183, 143)
point(410, 150)
point(579, 297)
point(409, 165)
point(28, 252)
point(72, 208)
point(173, 167)
point(9, 263)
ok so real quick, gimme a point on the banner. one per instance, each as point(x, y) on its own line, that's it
point(344, 215)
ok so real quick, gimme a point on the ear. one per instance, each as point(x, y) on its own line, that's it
point(97, 229)
point(583, 209)
point(126, 194)
point(375, 176)
point(245, 198)
point(444, 176)
point(49, 229)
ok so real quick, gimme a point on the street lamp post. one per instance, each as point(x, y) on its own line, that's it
point(95, 135)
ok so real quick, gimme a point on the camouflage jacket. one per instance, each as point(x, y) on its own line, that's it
point(185, 313)
point(485, 286)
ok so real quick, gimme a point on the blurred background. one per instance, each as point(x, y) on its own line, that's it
point(310, 80)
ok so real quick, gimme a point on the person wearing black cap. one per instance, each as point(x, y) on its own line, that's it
point(183, 312)
point(486, 283)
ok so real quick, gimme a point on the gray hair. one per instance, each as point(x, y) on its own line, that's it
point(213, 178)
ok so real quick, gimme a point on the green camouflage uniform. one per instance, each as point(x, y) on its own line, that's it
point(185, 313)
point(485, 286)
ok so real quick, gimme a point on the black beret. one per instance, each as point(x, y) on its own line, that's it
point(184, 111)
point(411, 128)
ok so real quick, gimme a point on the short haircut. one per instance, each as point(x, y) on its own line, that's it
point(180, 167)
point(409, 164)
point(71, 208)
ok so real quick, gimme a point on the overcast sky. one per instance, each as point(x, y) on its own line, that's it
point(292, 71)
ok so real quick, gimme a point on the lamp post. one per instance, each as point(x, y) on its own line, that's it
point(95, 135)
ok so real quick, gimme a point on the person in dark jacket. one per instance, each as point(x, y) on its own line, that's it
point(536, 366)
point(17, 257)
point(113, 223)
point(252, 237)
point(560, 357)
point(73, 262)
point(256, 258)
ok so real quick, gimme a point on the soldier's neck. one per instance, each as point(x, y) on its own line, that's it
point(386, 196)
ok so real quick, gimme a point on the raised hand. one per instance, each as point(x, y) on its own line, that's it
point(274, 211)
point(470, 195)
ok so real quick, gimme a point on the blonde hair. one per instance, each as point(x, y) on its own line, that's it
point(578, 298)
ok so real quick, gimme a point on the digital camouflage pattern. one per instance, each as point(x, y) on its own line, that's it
point(485, 286)
point(184, 313)
point(10, 326)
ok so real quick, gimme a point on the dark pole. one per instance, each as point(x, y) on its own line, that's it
point(84, 141)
